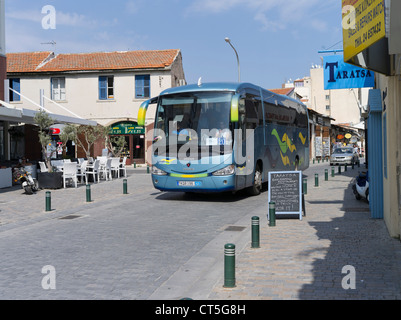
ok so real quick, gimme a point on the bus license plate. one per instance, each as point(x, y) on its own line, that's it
point(189, 183)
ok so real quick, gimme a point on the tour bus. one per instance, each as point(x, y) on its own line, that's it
point(217, 137)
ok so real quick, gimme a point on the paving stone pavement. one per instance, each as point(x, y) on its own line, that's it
point(298, 260)
point(304, 260)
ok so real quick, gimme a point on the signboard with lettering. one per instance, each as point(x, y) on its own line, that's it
point(125, 128)
point(341, 75)
point(363, 25)
point(285, 189)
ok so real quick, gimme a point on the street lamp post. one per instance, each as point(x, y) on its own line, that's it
point(236, 53)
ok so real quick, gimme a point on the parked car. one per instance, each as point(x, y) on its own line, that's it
point(344, 155)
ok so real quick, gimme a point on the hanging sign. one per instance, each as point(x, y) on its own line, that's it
point(363, 23)
point(341, 75)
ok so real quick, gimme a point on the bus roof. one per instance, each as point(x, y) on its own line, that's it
point(226, 86)
point(212, 86)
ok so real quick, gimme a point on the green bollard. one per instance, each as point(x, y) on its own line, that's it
point(332, 172)
point(48, 201)
point(88, 193)
point(125, 186)
point(148, 169)
point(255, 232)
point(305, 185)
point(134, 164)
point(339, 169)
point(316, 180)
point(326, 175)
point(229, 266)
point(272, 214)
point(313, 161)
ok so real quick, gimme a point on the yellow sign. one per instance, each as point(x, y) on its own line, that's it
point(363, 24)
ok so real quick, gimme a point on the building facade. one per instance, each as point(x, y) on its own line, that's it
point(106, 87)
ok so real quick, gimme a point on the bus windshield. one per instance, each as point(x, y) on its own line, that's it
point(201, 118)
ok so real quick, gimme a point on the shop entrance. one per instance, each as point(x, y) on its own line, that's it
point(134, 135)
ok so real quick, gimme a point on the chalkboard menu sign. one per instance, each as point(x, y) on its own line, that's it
point(285, 189)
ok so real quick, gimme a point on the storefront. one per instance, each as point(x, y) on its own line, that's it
point(134, 135)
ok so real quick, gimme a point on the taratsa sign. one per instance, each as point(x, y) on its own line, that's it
point(341, 75)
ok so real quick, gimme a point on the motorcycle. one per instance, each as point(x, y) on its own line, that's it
point(28, 183)
point(361, 187)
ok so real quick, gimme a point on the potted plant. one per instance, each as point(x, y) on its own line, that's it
point(50, 179)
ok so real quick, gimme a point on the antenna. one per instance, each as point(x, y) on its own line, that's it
point(53, 43)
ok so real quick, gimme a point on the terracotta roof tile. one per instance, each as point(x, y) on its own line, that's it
point(96, 61)
point(26, 61)
point(283, 91)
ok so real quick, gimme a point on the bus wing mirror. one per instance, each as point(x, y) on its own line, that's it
point(235, 108)
point(143, 109)
point(142, 113)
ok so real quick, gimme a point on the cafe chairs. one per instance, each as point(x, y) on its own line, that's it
point(43, 167)
point(93, 170)
point(70, 172)
point(122, 166)
point(81, 170)
point(105, 169)
point(115, 166)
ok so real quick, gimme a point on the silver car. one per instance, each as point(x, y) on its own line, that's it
point(344, 155)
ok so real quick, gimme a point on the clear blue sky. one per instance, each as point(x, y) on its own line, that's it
point(276, 40)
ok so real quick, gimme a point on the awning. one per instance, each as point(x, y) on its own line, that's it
point(12, 114)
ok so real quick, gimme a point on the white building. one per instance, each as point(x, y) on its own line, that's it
point(106, 87)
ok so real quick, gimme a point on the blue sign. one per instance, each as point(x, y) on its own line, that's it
point(341, 75)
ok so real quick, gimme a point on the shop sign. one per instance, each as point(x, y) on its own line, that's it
point(363, 23)
point(341, 75)
point(125, 128)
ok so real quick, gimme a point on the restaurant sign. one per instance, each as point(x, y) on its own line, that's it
point(125, 128)
point(363, 23)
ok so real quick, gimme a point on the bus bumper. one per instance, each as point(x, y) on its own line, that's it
point(207, 184)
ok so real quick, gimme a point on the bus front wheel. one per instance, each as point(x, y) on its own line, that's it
point(257, 184)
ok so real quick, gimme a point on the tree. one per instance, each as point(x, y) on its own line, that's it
point(86, 136)
point(115, 144)
point(44, 122)
point(68, 134)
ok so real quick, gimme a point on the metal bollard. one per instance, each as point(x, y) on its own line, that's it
point(272, 214)
point(316, 180)
point(148, 169)
point(332, 172)
point(353, 166)
point(229, 265)
point(125, 186)
point(134, 164)
point(326, 175)
point(255, 232)
point(88, 193)
point(48, 201)
point(305, 185)
point(345, 168)
point(339, 169)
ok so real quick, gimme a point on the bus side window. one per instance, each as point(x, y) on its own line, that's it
point(242, 118)
point(251, 113)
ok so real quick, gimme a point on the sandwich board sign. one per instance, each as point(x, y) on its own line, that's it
point(285, 189)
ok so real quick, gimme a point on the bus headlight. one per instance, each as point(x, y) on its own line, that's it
point(158, 172)
point(227, 171)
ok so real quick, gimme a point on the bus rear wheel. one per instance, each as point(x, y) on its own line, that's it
point(257, 184)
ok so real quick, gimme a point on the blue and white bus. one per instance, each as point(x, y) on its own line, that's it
point(219, 137)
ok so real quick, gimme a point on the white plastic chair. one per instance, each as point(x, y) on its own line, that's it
point(105, 169)
point(122, 166)
point(70, 172)
point(115, 166)
point(43, 167)
point(95, 171)
point(81, 170)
